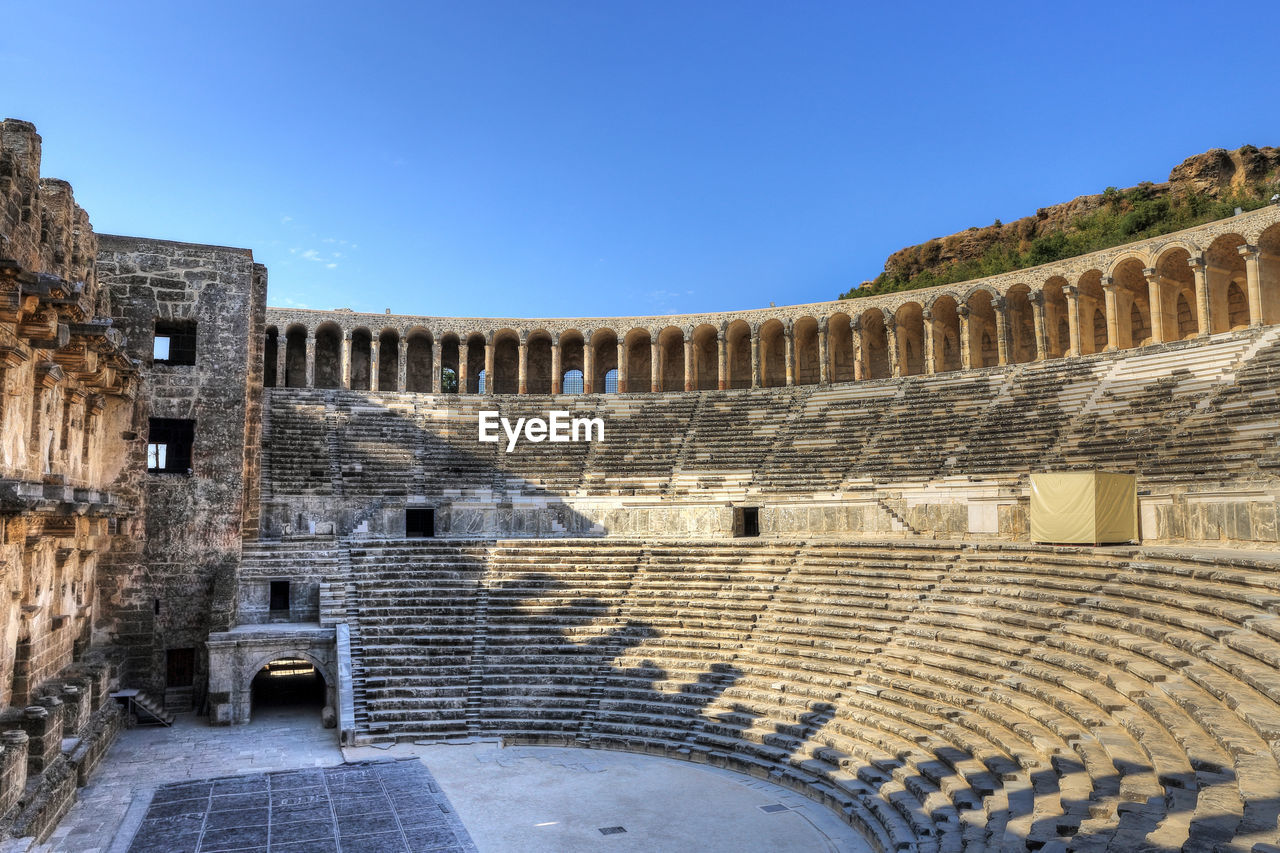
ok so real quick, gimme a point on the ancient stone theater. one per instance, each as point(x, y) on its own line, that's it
point(803, 549)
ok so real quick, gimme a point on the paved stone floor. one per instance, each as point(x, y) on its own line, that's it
point(512, 800)
point(383, 807)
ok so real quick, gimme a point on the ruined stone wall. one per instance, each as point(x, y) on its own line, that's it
point(178, 583)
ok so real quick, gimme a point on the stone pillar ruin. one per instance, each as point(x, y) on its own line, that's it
point(282, 352)
point(1073, 319)
point(1113, 313)
point(891, 345)
point(788, 354)
point(464, 356)
point(346, 358)
point(655, 364)
point(1002, 329)
point(622, 366)
point(689, 383)
point(490, 351)
point(929, 343)
point(855, 336)
point(755, 357)
point(1155, 300)
point(824, 372)
point(722, 361)
point(966, 351)
point(402, 366)
point(522, 386)
point(588, 365)
point(437, 352)
point(311, 358)
point(1200, 270)
point(1037, 322)
point(1253, 275)
point(13, 767)
point(556, 378)
point(375, 357)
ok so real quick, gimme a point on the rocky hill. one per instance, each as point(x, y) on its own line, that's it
point(1202, 188)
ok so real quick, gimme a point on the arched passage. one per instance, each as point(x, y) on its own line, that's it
point(506, 363)
point(1228, 284)
point(604, 348)
point(572, 358)
point(706, 358)
point(910, 338)
point(946, 334)
point(1177, 287)
point(738, 354)
point(1022, 324)
point(289, 685)
point(476, 365)
point(389, 360)
point(807, 362)
point(875, 345)
point(1091, 303)
point(1269, 273)
point(984, 346)
point(418, 362)
point(638, 373)
point(773, 354)
point(295, 357)
point(1133, 304)
point(671, 355)
point(361, 359)
point(1057, 321)
point(538, 369)
point(270, 356)
point(840, 348)
point(449, 364)
point(328, 356)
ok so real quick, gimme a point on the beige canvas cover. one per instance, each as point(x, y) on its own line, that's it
point(1084, 507)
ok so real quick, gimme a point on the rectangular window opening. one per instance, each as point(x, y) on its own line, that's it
point(175, 342)
point(420, 523)
point(181, 667)
point(750, 520)
point(169, 446)
point(279, 595)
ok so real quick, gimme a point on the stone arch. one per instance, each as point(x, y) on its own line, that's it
point(572, 357)
point(773, 354)
point(1130, 259)
point(506, 363)
point(1091, 304)
point(1133, 305)
point(671, 359)
point(389, 360)
point(361, 359)
point(449, 351)
point(738, 353)
point(1022, 325)
point(476, 349)
point(1177, 288)
point(328, 356)
point(804, 336)
point(1224, 267)
point(1057, 324)
point(909, 334)
point(984, 347)
point(840, 366)
point(638, 374)
point(706, 358)
point(946, 333)
point(295, 356)
point(418, 368)
point(538, 367)
point(875, 344)
point(270, 358)
point(604, 348)
point(263, 659)
point(1269, 273)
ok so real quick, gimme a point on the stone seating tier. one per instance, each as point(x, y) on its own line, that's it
point(939, 696)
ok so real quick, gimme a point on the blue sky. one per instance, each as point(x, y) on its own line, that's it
point(597, 158)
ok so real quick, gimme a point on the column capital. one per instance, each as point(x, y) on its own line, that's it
point(1071, 291)
point(927, 314)
point(963, 309)
point(1247, 251)
point(1197, 262)
point(1109, 283)
point(1000, 303)
point(823, 324)
point(1036, 298)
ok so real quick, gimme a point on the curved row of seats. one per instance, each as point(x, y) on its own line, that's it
point(1192, 412)
point(939, 696)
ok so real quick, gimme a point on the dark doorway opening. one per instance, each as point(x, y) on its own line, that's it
point(286, 687)
point(279, 595)
point(420, 523)
point(750, 521)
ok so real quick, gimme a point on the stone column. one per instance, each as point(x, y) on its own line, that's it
point(523, 384)
point(402, 365)
point(375, 358)
point(311, 358)
point(966, 350)
point(464, 356)
point(655, 364)
point(855, 339)
point(1204, 310)
point(282, 359)
point(1073, 319)
point(437, 355)
point(1155, 301)
point(1037, 324)
point(490, 352)
point(1002, 329)
point(346, 359)
point(690, 377)
point(1113, 313)
point(722, 361)
point(622, 366)
point(824, 369)
point(788, 354)
point(588, 365)
point(1253, 278)
point(929, 342)
point(557, 381)
point(755, 358)
point(891, 344)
